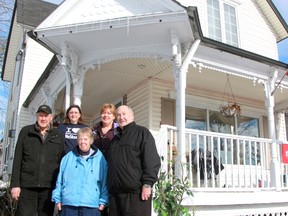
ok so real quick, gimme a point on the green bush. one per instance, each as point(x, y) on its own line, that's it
point(169, 194)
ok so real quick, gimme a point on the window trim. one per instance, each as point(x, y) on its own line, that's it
point(232, 3)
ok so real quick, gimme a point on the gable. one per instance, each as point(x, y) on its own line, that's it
point(274, 18)
point(72, 12)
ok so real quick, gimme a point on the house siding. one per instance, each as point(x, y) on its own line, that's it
point(161, 90)
point(33, 69)
point(254, 36)
point(138, 101)
point(12, 52)
point(251, 37)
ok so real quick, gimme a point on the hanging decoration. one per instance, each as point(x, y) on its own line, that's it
point(229, 107)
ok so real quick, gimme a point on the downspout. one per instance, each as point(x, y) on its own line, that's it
point(68, 80)
point(180, 111)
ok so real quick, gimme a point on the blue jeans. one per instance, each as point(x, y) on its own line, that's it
point(79, 211)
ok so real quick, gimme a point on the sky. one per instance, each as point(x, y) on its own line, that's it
point(282, 6)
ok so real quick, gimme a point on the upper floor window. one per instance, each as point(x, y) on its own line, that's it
point(222, 22)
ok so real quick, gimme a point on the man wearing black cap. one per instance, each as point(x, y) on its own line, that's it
point(38, 153)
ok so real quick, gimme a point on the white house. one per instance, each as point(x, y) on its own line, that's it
point(179, 65)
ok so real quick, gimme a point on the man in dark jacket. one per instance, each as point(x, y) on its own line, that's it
point(38, 153)
point(133, 165)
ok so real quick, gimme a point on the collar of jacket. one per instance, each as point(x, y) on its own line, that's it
point(37, 128)
point(77, 150)
point(126, 128)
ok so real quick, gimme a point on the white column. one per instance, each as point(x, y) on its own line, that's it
point(69, 63)
point(281, 126)
point(269, 86)
point(180, 84)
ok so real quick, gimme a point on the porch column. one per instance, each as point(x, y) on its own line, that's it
point(269, 103)
point(281, 125)
point(49, 97)
point(69, 63)
point(78, 83)
point(180, 72)
point(176, 52)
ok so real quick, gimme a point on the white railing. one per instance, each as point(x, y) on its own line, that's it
point(217, 161)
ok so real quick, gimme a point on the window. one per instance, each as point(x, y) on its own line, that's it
point(222, 22)
point(202, 119)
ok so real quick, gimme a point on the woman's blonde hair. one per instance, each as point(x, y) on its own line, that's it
point(86, 131)
point(111, 107)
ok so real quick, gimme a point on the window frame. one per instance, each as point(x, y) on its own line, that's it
point(232, 3)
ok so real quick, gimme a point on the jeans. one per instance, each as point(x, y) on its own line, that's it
point(79, 211)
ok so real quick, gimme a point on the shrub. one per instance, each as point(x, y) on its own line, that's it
point(7, 204)
point(169, 194)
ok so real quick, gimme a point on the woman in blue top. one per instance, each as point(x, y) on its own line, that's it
point(72, 123)
point(81, 184)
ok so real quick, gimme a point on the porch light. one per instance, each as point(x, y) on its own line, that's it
point(229, 107)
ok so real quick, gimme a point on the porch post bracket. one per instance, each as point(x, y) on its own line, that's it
point(49, 97)
point(69, 62)
point(78, 83)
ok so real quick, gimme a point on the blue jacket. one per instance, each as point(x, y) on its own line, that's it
point(82, 182)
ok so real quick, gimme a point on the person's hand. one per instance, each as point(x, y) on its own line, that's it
point(146, 192)
point(101, 207)
point(59, 206)
point(15, 192)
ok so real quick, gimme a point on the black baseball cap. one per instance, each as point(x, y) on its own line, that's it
point(44, 108)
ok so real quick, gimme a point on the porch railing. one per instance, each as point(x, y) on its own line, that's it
point(217, 161)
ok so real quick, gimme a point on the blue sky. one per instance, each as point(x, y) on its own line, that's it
point(282, 6)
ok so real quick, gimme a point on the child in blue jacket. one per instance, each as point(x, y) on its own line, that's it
point(81, 184)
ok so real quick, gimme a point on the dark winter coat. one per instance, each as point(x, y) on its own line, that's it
point(36, 162)
point(132, 160)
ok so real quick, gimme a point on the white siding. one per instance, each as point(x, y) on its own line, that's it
point(138, 101)
point(33, 69)
point(256, 34)
point(31, 73)
point(161, 90)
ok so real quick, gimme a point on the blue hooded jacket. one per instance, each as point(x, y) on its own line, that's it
point(82, 182)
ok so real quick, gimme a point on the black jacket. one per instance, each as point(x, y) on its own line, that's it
point(132, 160)
point(36, 162)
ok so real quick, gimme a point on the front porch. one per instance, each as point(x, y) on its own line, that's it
point(249, 182)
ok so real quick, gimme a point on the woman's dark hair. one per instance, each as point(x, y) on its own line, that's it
point(66, 118)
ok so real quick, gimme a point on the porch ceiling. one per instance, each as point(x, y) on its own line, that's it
point(112, 80)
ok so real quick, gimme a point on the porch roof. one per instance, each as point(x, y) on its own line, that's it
point(118, 53)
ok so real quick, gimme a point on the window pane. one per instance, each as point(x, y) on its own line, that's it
point(230, 25)
point(220, 124)
point(195, 118)
point(248, 126)
point(214, 20)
